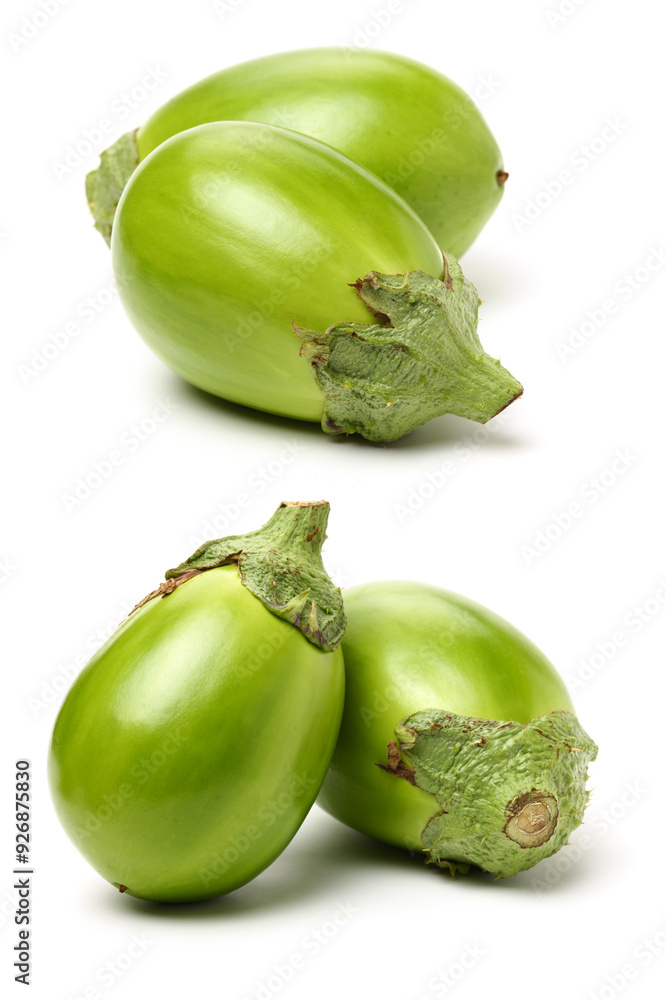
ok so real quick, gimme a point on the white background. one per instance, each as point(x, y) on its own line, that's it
point(548, 89)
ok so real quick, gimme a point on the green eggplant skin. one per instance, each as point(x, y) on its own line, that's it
point(410, 647)
point(414, 128)
point(229, 233)
point(190, 749)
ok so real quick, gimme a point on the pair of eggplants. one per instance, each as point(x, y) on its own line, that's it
point(190, 749)
point(284, 235)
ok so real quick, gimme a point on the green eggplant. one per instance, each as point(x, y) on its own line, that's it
point(190, 749)
point(414, 128)
point(459, 738)
point(239, 250)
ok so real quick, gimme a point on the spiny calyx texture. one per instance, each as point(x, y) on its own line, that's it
point(510, 794)
point(421, 359)
point(281, 564)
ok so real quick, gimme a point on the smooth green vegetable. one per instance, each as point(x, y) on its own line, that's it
point(233, 238)
point(481, 760)
point(414, 128)
point(190, 749)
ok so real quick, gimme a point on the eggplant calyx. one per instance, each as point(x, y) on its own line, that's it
point(421, 359)
point(104, 186)
point(510, 794)
point(281, 564)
